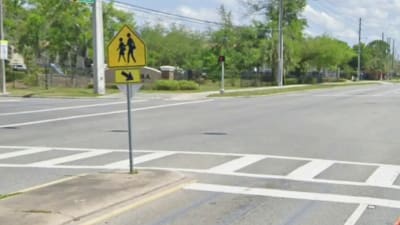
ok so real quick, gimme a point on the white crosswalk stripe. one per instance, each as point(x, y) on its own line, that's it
point(238, 164)
point(138, 160)
point(70, 158)
point(384, 176)
point(23, 152)
point(311, 169)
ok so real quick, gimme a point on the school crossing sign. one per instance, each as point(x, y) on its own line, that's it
point(126, 50)
point(126, 55)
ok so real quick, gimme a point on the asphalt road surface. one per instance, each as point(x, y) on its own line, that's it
point(320, 157)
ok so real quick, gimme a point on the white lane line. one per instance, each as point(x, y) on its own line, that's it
point(23, 152)
point(352, 220)
point(387, 93)
point(357, 96)
point(12, 100)
point(100, 114)
point(237, 164)
point(276, 193)
point(357, 92)
point(70, 158)
point(311, 169)
point(67, 108)
point(384, 176)
point(138, 160)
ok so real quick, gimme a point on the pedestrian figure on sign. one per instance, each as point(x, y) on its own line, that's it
point(121, 48)
point(131, 48)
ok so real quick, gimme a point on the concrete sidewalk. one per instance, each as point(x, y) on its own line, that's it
point(203, 95)
point(88, 199)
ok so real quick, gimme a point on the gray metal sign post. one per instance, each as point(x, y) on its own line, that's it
point(128, 96)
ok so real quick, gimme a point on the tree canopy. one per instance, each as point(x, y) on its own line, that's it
point(61, 31)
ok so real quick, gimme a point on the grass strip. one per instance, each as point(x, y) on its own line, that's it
point(8, 195)
point(273, 91)
point(56, 92)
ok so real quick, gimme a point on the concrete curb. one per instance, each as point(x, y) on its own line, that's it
point(88, 199)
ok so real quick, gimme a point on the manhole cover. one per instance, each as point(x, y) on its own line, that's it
point(119, 131)
point(10, 128)
point(215, 133)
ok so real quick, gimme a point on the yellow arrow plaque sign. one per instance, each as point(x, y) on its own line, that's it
point(127, 76)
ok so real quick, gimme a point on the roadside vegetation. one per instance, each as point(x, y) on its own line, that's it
point(55, 92)
point(8, 195)
point(37, 30)
point(288, 89)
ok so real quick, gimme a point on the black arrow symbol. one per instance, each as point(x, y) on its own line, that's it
point(127, 75)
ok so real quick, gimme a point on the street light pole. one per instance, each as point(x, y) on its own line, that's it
point(2, 64)
point(359, 51)
point(280, 47)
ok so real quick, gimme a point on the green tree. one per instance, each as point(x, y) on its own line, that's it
point(379, 51)
point(14, 15)
point(325, 52)
point(114, 19)
point(61, 31)
point(293, 27)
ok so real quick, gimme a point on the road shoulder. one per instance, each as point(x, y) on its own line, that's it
point(88, 199)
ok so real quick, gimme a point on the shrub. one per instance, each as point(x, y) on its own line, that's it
point(112, 86)
point(15, 75)
point(310, 80)
point(188, 85)
point(291, 81)
point(169, 85)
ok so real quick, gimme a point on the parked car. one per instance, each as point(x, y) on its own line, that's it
point(19, 67)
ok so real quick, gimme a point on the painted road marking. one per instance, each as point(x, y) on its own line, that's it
point(384, 175)
point(10, 100)
point(141, 201)
point(352, 220)
point(259, 176)
point(311, 169)
point(140, 159)
point(23, 152)
point(228, 168)
point(237, 164)
point(70, 158)
point(356, 92)
point(66, 108)
point(101, 114)
point(204, 171)
point(387, 93)
point(277, 193)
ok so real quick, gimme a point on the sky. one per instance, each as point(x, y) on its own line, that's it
point(336, 18)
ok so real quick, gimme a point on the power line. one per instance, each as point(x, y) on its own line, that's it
point(332, 12)
point(167, 14)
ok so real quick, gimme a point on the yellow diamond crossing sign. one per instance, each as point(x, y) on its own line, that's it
point(126, 49)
